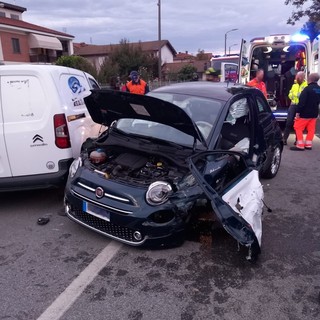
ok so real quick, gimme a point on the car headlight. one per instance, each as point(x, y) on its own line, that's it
point(158, 193)
point(77, 163)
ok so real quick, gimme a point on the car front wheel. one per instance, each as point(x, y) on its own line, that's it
point(272, 163)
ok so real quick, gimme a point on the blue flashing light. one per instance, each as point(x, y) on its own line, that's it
point(299, 37)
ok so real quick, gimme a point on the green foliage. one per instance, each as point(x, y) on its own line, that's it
point(108, 72)
point(187, 72)
point(77, 62)
point(124, 58)
point(312, 29)
point(312, 10)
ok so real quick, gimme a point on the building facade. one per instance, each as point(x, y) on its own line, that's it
point(97, 54)
point(23, 42)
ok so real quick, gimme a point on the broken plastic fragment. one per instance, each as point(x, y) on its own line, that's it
point(43, 220)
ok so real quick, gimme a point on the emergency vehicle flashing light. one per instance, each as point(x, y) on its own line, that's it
point(299, 37)
point(285, 38)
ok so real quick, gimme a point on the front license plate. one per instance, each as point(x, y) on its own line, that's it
point(96, 211)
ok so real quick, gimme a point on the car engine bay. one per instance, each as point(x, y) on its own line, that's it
point(129, 165)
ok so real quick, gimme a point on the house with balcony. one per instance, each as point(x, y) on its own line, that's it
point(23, 42)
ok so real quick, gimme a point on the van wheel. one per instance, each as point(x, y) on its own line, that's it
point(271, 166)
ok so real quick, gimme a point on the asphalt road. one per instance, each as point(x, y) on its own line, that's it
point(61, 270)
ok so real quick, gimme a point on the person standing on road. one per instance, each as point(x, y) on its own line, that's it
point(257, 82)
point(137, 85)
point(294, 94)
point(306, 113)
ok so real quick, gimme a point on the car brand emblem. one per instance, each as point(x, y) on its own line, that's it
point(99, 192)
point(36, 138)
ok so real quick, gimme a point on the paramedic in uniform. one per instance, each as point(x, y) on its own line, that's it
point(294, 94)
point(257, 82)
point(137, 85)
point(306, 113)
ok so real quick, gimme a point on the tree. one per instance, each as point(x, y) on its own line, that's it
point(201, 55)
point(312, 29)
point(187, 72)
point(124, 58)
point(108, 72)
point(77, 62)
point(312, 11)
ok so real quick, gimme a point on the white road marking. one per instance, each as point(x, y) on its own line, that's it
point(64, 301)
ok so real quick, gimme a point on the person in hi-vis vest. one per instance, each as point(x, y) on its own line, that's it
point(137, 85)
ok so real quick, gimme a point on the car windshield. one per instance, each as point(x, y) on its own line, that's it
point(202, 111)
point(154, 130)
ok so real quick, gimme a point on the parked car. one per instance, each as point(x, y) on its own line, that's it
point(166, 152)
point(43, 123)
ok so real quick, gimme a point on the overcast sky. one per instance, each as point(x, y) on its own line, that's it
point(189, 25)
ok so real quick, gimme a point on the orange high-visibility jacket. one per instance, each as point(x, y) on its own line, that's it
point(137, 88)
point(260, 85)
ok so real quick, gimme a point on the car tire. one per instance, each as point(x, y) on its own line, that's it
point(271, 166)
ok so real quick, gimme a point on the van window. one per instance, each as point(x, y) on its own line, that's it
point(93, 84)
point(23, 98)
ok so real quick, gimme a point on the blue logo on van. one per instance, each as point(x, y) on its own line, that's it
point(74, 85)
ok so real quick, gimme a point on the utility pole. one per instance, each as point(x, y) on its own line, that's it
point(225, 40)
point(159, 40)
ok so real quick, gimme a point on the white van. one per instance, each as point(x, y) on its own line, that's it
point(43, 123)
point(281, 56)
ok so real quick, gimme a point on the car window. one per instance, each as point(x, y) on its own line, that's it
point(262, 105)
point(238, 109)
point(203, 111)
point(235, 132)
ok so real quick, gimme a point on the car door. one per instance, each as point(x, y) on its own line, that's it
point(268, 132)
point(231, 182)
point(5, 170)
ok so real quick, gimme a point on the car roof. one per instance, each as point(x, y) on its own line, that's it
point(214, 90)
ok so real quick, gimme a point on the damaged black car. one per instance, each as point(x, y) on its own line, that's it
point(165, 153)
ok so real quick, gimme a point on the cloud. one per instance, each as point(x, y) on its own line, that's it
point(187, 24)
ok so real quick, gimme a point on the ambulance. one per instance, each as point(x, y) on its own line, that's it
point(281, 56)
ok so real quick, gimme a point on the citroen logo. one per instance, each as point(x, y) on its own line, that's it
point(36, 138)
point(99, 192)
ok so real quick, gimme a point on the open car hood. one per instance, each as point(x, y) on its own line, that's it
point(106, 106)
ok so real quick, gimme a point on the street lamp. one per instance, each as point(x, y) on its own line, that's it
point(235, 44)
point(225, 40)
point(159, 39)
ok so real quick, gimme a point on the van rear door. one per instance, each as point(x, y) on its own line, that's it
point(28, 125)
point(5, 170)
point(315, 56)
point(243, 64)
